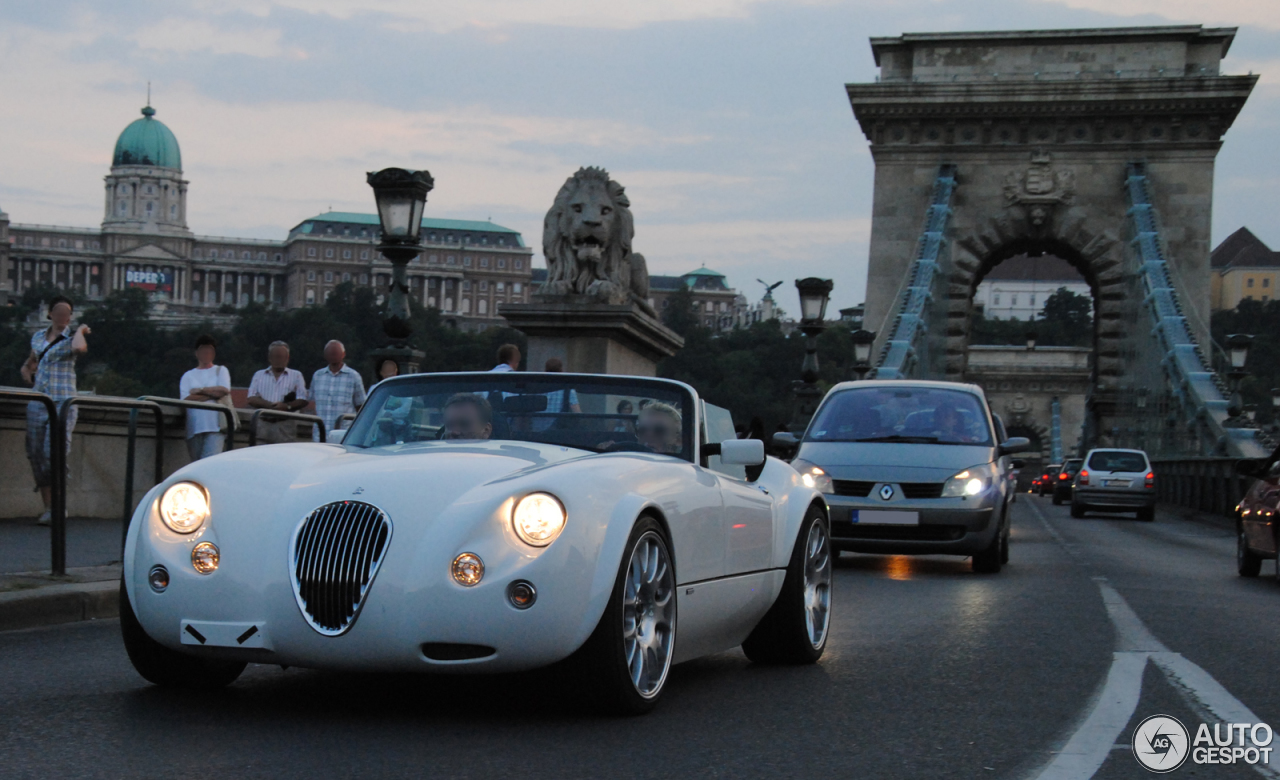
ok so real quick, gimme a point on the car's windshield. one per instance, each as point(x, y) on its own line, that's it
point(1071, 466)
point(902, 413)
point(600, 414)
point(1111, 460)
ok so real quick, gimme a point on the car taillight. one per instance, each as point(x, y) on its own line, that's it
point(1151, 480)
point(1083, 478)
point(1063, 476)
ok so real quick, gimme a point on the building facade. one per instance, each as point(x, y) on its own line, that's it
point(466, 269)
point(1244, 269)
point(1017, 288)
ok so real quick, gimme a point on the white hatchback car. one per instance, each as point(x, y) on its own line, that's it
point(1115, 480)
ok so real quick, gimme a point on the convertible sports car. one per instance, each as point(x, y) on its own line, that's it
point(481, 523)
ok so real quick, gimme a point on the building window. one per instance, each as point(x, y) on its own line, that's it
point(482, 307)
point(262, 256)
point(1013, 300)
point(328, 276)
point(124, 207)
point(501, 286)
point(466, 284)
point(364, 254)
point(346, 277)
point(516, 287)
point(195, 296)
point(433, 259)
point(467, 261)
point(466, 305)
point(995, 299)
point(311, 251)
point(502, 262)
point(484, 285)
point(279, 257)
point(346, 254)
point(328, 253)
point(450, 260)
point(311, 295)
point(1033, 299)
point(311, 276)
point(1249, 282)
point(173, 211)
point(364, 278)
point(1266, 282)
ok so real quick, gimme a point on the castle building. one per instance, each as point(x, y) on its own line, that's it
point(466, 270)
point(1244, 269)
point(1017, 288)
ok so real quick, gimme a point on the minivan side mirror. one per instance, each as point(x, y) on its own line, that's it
point(785, 442)
point(1015, 444)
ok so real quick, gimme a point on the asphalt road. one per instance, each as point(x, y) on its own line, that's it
point(931, 672)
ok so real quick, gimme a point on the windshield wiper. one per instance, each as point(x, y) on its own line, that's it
point(907, 439)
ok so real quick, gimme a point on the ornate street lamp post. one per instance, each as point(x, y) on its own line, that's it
point(401, 196)
point(1031, 340)
point(1238, 345)
point(814, 295)
point(863, 340)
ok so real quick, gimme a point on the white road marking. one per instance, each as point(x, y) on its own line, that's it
point(1113, 707)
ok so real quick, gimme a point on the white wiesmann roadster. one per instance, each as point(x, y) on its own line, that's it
point(485, 522)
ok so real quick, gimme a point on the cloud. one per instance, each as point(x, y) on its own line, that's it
point(198, 35)
point(1227, 13)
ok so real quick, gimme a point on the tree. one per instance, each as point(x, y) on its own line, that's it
point(681, 314)
point(1071, 310)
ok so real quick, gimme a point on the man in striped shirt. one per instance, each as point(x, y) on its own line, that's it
point(336, 389)
point(280, 388)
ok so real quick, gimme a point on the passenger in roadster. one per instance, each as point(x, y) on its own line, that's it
point(467, 416)
point(658, 428)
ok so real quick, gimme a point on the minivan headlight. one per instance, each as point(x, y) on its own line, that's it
point(968, 483)
point(813, 476)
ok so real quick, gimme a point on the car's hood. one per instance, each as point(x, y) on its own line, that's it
point(893, 462)
point(422, 477)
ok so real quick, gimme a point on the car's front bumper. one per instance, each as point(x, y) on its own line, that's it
point(1122, 498)
point(950, 526)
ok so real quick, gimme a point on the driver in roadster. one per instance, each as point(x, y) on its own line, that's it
point(467, 416)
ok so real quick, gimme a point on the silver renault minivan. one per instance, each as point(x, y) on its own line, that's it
point(911, 466)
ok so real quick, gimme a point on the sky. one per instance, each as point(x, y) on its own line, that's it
point(726, 120)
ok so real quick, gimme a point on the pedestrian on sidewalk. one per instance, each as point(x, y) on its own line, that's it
point(508, 358)
point(209, 383)
point(51, 369)
point(280, 388)
point(336, 389)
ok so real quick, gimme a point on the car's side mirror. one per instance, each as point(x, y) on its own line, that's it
point(785, 442)
point(336, 437)
point(1251, 467)
point(742, 452)
point(1018, 463)
point(1015, 444)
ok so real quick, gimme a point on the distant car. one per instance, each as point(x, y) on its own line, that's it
point(1258, 518)
point(464, 524)
point(912, 467)
point(1115, 480)
point(1063, 481)
point(1047, 477)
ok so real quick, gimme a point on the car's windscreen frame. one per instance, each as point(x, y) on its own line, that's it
point(528, 383)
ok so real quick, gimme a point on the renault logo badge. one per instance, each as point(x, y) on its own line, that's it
point(886, 492)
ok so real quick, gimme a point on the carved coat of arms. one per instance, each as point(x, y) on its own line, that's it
point(1040, 187)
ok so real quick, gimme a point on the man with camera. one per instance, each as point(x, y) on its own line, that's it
point(280, 388)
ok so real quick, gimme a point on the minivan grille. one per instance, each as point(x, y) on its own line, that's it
point(335, 556)
point(921, 489)
point(848, 487)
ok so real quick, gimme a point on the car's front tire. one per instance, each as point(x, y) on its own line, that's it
point(794, 630)
point(1077, 509)
point(1248, 563)
point(990, 560)
point(159, 665)
point(1147, 514)
point(625, 661)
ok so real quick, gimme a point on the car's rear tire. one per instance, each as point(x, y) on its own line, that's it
point(1057, 499)
point(794, 630)
point(1147, 514)
point(1248, 563)
point(989, 560)
point(159, 665)
point(1077, 509)
point(1004, 547)
point(624, 663)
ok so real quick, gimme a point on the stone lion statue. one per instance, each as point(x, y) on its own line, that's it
point(586, 238)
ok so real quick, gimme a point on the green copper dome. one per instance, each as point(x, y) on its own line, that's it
point(147, 141)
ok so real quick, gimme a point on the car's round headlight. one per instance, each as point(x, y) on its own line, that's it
point(184, 507)
point(538, 519)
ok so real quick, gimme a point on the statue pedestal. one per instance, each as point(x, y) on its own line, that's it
point(592, 338)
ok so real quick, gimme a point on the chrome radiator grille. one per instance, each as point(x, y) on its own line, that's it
point(335, 556)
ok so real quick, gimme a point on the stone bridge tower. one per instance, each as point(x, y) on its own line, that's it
point(1097, 146)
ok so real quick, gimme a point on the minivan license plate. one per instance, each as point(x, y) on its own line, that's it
point(885, 517)
point(1117, 483)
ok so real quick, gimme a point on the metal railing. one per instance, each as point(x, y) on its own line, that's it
point(276, 413)
point(228, 442)
point(58, 474)
point(1204, 484)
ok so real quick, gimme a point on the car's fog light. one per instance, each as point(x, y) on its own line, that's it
point(468, 569)
point(158, 578)
point(204, 557)
point(521, 594)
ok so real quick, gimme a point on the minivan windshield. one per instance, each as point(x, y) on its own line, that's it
point(1112, 460)
point(904, 414)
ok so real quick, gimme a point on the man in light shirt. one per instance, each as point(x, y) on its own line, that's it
point(280, 388)
point(206, 382)
point(336, 389)
point(508, 358)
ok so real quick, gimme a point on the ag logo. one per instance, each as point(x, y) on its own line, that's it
point(1160, 743)
point(886, 492)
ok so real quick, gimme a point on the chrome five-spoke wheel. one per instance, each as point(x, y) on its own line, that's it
point(817, 584)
